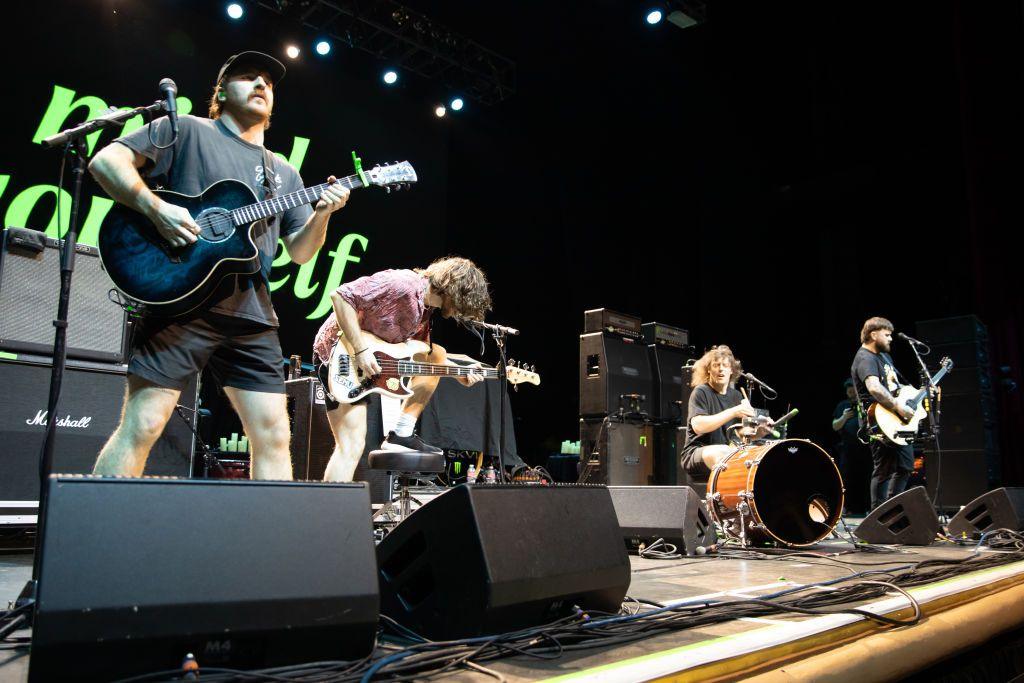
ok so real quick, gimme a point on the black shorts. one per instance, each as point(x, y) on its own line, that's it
point(693, 463)
point(240, 353)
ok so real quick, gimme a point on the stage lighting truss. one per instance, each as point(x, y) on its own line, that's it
point(407, 39)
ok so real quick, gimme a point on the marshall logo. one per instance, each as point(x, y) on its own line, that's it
point(80, 423)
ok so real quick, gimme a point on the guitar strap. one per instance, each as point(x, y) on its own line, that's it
point(269, 186)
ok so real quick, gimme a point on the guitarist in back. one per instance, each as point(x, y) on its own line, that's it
point(395, 306)
point(234, 331)
point(875, 377)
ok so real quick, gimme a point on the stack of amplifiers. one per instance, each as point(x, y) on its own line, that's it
point(967, 437)
point(613, 362)
point(90, 407)
point(29, 289)
point(669, 350)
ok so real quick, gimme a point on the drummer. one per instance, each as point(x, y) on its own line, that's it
point(715, 406)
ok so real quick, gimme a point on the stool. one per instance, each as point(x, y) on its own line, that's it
point(405, 465)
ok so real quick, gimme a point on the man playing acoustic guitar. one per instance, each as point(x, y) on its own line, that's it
point(874, 375)
point(234, 331)
point(394, 306)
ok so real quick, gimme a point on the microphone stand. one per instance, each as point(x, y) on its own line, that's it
point(73, 142)
point(499, 333)
point(933, 418)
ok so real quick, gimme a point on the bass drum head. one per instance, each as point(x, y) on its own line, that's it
point(798, 492)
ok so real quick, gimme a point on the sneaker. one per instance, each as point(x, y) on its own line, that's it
point(394, 442)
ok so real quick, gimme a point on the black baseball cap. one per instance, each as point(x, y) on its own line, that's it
point(250, 58)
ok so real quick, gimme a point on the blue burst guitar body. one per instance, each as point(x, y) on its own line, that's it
point(174, 280)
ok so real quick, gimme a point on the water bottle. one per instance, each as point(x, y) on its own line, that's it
point(471, 474)
point(490, 476)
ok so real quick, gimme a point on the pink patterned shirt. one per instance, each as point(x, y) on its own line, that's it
point(390, 304)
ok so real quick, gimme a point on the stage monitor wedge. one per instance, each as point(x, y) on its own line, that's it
point(1001, 508)
point(905, 519)
point(675, 514)
point(488, 559)
point(136, 573)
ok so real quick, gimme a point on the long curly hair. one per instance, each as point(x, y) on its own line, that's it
point(702, 368)
point(462, 283)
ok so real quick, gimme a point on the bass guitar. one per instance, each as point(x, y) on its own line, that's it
point(348, 384)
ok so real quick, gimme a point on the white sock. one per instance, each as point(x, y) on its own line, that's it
point(406, 423)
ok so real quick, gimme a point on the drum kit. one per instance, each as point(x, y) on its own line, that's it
point(777, 492)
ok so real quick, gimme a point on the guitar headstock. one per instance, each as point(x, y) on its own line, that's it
point(394, 176)
point(946, 363)
point(520, 373)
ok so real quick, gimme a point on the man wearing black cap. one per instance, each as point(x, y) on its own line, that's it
point(234, 330)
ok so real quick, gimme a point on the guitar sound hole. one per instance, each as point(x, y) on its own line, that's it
point(215, 225)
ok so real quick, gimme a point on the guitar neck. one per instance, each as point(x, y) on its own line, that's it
point(411, 368)
point(277, 205)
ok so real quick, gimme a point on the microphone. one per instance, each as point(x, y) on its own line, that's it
point(170, 91)
point(910, 339)
point(501, 329)
point(751, 378)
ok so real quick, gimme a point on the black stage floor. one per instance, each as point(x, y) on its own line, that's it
point(746, 647)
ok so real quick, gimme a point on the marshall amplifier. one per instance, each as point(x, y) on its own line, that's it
point(29, 289)
point(90, 407)
point(666, 335)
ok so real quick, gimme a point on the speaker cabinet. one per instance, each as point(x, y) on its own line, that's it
point(622, 452)
point(30, 287)
point(136, 573)
point(667, 366)
point(462, 566)
point(906, 519)
point(673, 513)
point(999, 509)
point(611, 366)
point(90, 408)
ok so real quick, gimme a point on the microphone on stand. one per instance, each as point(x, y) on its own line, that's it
point(910, 339)
point(169, 91)
point(751, 378)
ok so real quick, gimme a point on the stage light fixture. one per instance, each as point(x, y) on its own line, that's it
point(457, 104)
point(323, 47)
point(390, 77)
point(654, 17)
point(235, 11)
point(440, 111)
point(292, 51)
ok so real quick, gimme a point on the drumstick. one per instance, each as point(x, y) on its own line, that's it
point(744, 392)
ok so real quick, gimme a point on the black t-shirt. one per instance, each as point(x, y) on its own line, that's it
point(706, 401)
point(849, 430)
point(867, 363)
point(204, 153)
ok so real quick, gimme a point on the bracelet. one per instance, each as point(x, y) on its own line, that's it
point(364, 349)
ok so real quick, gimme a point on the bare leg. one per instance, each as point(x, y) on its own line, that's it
point(265, 420)
point(144, 415)
point(423, 387)
point(713, 455)
point(348, 422)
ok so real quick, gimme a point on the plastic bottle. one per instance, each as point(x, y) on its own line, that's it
point(471, 474)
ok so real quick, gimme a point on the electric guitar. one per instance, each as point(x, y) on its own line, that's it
point(895, 428)
point(174, 280)
point(348, 384)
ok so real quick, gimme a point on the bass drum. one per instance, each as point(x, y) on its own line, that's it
point(785, 492)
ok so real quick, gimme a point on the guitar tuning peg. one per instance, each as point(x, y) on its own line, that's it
point(533, 368)
point(510, 362)
point(387, 189)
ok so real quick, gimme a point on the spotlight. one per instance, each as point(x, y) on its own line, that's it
point(292, 51)
point(323, 47)
point(440, 111)
point(654, 17)
point(457, 104)
point(390, 77)
point(235, 11)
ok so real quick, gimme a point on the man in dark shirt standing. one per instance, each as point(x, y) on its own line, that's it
point(234, 331)
point(851, 454)
point(875, 378)
point(715, 406)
